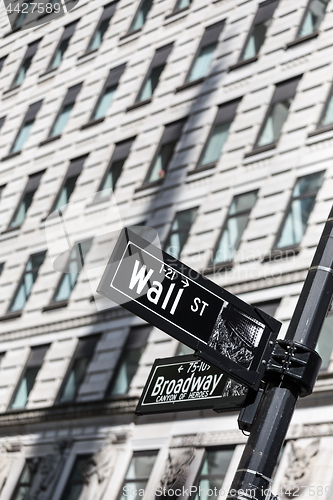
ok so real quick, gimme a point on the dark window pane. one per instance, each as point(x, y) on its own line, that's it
point(25, 387)
point(179, 232)
point(151, 83)
point(74, 379)
point(126, 371)
point(328, 116)
point(20, 77)
point(215, 144)
point(213, 471)
point(274, 123)
point(111, 178)
point(22, 490)
point(61, 120)
point(182, 4)
point(59, 54)
point(104, 103)
point(66, 192)
point(162, 161)
point(141, 15)
point(22, 210)
point(314, 16)
point(202, 63)
point(137, 475)
point(22, 137)
point(28, 279)
point(77, 479)
point(256, 40)
point(97, 39)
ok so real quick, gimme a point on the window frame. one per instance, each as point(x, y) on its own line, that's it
point(28, 364)
point(146, 329)
point(311, 35)
point(55, 304)
point(208, 449)
point(77, 165)
point(75, 90)
point(35, 464)
point(112, 80)
point(138, 453)
point(132, 32)
point(160, 58)
point(296, 246)
point(29, 53)
point(66, 488)
point(170, 233)
point(274, 100)
point(25, 191)
point(93, 338)
point(11, 303)
point(230, 263)
point(68, 32)
point(323, 128)
point(202, 45)
point(103, 17)
point(229, 118)
point(178, 124)
point(255, 23)
point(30, 116)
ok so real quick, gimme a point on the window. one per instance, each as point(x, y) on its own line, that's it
point(28, 278)
point(102, 26)
point(25, 64)
point(257, 34)
point(299, 210)
point(213, 471)
point(80, 362)
point(65, 111)
point(179, 232)
point(62, 45)
point(234, 226)
point(326, 118)
point(26, 200)
point(313, 17)
point(34, 363)
point(277, 113)
point(164, 153)
point(72, 270)
point(138, 474)
point(23, 487)
point(204, 55)
point(77, 479)
point(2, 265)
point(141, 15)
point(219, 133)
point(325, 342)
point(2, 62)
point(183, 350)
point(2, 121)
point(26, 127)
point(129, 362)
point(154, 72)
point(269, 306)
point(21, 17)
point(112, 174)
point(181, 4)
point(69, 182)
point(107, 94)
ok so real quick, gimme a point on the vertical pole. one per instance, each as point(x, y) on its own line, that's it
point(255, 470)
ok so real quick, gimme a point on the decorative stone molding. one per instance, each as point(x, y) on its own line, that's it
point(208, 439)
point(300, 467)
point(177, 471)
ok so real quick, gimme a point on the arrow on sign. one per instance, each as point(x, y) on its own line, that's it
point(186, 283)
point(180, 368)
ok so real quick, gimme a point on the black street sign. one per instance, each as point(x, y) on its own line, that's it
point(222, 329)
point(185, 383)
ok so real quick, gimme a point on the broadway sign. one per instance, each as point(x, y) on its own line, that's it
point(185, 383)
point(222, 329)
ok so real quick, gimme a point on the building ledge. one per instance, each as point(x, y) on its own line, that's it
point(240, 64)
point(87, 409)
point(302, 39)
point(50, 139)
point(11, 315)
point(11, 155)
point(261, 149)
point(138, 104)
point(283, 253)
point(92, 123)
point(187, 85)
point(55, 305)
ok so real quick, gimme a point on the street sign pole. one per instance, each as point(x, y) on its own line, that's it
point(284, 383)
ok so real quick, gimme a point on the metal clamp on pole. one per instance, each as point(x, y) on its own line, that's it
point(295, 362)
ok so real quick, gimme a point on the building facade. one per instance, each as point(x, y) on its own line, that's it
point(211, 122)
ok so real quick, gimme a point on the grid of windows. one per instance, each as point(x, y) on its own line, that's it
point(299, 210)
point(179, 232)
